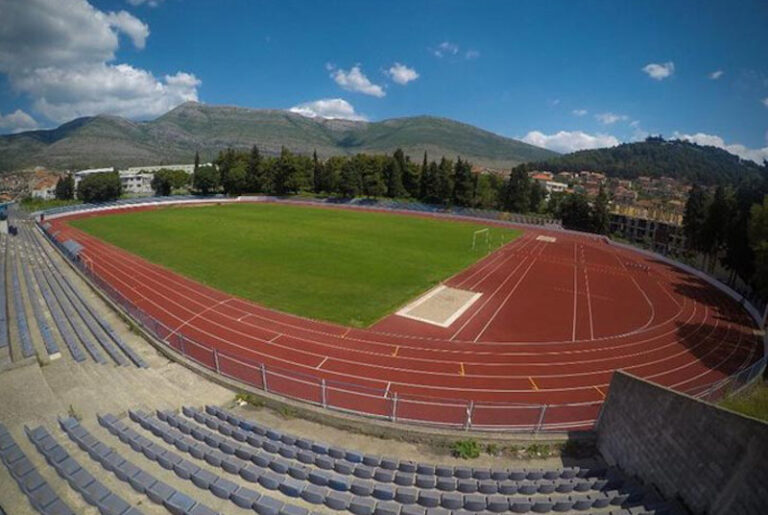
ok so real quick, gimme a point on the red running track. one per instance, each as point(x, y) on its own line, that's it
point(554, 321)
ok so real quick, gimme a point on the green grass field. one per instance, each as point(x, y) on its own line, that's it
point(343, 266)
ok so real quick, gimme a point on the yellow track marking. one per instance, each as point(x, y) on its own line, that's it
point(599, 391)
point(397, 349)
point(461, 373)
point(533, 383)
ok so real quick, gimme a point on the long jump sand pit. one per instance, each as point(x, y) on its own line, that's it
point(440, 306)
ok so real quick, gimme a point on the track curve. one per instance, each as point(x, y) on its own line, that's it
point(554, 321)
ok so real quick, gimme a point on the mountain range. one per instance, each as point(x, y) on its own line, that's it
point(175, 137)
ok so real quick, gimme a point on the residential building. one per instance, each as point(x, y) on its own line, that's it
point(661, 231)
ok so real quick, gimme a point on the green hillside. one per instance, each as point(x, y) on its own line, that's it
point(656, 157)
point(175, 136)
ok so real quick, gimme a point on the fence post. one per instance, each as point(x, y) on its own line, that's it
point(264, 376)
point(470, 409)
point(540, 424)
point(216, 359)
point(323, 394)
point(183, 347)
point(394, 407)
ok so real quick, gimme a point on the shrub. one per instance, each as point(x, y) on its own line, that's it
point(466, 449)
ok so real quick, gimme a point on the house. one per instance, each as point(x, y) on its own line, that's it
point(45, 188)
point(660, 230)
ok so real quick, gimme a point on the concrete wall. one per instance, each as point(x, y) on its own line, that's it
point(713, 460)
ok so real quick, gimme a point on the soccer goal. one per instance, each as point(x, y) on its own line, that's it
point(481, 238)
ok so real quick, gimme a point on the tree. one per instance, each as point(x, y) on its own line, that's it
point(445, 180)
point(463, 183)
point(286, 178)
point(317, 173)
point(518, 194)
point(197, 161)
point(537, 195)
point(161, 184)
point(393, 174)
point(206, 180)
point(714, 230)
point(695, 214)
point(430, 183)
point(411, 178)
point(600, 216)
point(253, 171)
point(100, 187)
point(65, 188)
point(758, 241)
point(350, 183)
point(575, 213)
point(237, 179)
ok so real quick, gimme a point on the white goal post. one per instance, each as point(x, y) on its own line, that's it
point(479, 234)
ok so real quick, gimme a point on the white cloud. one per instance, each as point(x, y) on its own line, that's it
point(716, 74)
point(401, 74)
point(60, 53)
point(754, 154)
point(355, 80)
point(579, 112)
point(327, 108)
point(659, 71)
point(610, 118)
point(151, 3)
point(131, 26)
point(765, 101)
point(17, 121)
point(446, 48)
point(570, 141)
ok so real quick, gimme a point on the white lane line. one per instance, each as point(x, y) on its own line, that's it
point(493, 317)
point(322, 363)
point(575, 291)
point(386, 392)
point(488, 299)
point(589, 297)
point(209, 308)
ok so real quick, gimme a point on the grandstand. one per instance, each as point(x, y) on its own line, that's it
point(93, 417)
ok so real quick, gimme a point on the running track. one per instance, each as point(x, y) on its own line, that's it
point(554, 321)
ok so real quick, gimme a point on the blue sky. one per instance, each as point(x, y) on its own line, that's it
point(560, 74)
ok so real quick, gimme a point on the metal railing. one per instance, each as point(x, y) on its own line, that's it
point(377, 402)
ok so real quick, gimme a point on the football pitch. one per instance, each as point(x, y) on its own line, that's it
point(344, 266)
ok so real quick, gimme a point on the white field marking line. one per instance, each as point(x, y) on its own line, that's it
point(386, 392)
point(507, 297)
point(650, 304)
point(405, 312)
point(501, 253)
point(213, 306)
point(629, 344)
point(488, 298)
point(481, 376)
point(672, 343)
point(322, 363)
point(575, 291)
point(589, 296)
point(502, 263)
point(275, 337)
